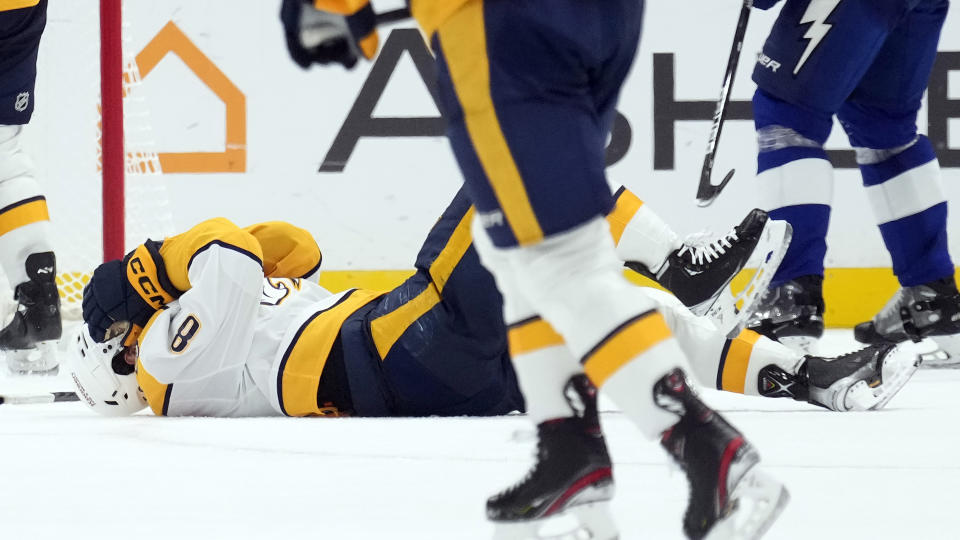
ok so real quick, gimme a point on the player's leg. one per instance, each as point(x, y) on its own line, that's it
point(440, 334)
point(572, 460)
point(815, 55)
point(903, 184)
point(755, 365)
point(528, 126)
point(27, 336)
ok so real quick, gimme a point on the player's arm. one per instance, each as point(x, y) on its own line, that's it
point(156, 273)
point(202, 331)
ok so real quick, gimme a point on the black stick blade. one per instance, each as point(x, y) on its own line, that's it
point(707, 192)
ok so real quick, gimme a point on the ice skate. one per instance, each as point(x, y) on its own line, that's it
point(859, 381)
point(28, 340)
point(567, 492)
point(729, 497)
point(792, 313)
point(930, 311)
point(700, 272)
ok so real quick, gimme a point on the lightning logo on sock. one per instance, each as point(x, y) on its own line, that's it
point(816, 15)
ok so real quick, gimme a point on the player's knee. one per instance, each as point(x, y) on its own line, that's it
point(873, 128)
point(575, 281)
point(787, 133)
point(14, 162)
point(811, 126)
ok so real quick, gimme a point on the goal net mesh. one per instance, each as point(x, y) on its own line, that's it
point(79, 191)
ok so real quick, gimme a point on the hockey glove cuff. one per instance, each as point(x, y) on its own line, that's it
point(129, 290)
point(327, 32)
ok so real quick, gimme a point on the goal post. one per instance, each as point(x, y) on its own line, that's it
point(95, 139)
point(112, 144)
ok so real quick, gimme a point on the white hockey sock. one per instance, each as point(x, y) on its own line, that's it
point(742, 358)
point(574, 281)
point(717, 362)
point(24, 219)
point(541, 359)
point(639, 233)
point(544, 365)
point(804, 181)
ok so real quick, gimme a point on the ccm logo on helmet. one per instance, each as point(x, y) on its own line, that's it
point(83, 391)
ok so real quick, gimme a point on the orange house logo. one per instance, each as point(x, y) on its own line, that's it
point(233, 159)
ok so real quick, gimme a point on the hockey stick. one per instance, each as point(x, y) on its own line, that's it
point(49, 397)
point(707, 191)
point(394, 15)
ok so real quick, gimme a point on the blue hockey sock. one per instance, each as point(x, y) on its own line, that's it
point(906, 194)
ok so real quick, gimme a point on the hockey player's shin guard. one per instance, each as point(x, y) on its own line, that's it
point(729, 497)
point(572, 476)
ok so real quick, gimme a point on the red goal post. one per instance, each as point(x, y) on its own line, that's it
point(109, 196)
point(112, 155)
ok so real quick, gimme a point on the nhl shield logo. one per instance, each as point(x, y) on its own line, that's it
point(23, 100)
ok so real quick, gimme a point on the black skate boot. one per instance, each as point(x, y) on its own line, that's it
point(729, 497)
point(700, 272)
point(792, 313)
point(29, 339)
point(859, 381)
point(572, 475)
point(914, 313)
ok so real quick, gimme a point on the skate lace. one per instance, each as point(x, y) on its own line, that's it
point(704, 246)
point(534, 469)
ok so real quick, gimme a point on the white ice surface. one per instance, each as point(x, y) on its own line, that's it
point(66, 473)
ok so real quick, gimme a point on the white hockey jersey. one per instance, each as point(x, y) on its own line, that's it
point(237, 343)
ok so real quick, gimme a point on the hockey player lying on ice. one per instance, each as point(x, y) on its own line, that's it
point(225, 321)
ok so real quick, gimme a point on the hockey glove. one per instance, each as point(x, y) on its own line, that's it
point(320, 37)
point(129, 290)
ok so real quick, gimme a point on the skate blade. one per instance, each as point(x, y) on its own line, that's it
point(898, 367)
point(756, 503)
point(582, 522)
point(731, 310)
point(947, 355)
point(41, 360)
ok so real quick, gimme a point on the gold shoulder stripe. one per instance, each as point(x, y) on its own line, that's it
point(255, 257)
point(302, 365)
point(179, 251)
